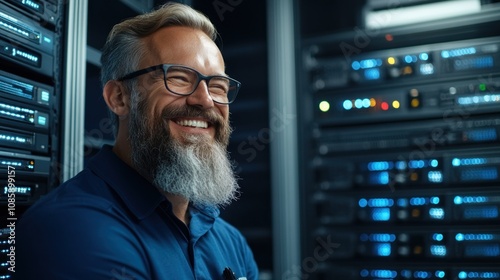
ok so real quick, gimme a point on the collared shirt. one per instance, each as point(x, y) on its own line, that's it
point(108, 222)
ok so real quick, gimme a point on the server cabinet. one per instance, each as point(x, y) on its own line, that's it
point(32, 73)
point(401, 163)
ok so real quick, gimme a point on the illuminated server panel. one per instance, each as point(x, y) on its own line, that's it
point(30, 88)
point(403, 171)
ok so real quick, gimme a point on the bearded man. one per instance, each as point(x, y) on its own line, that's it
point(147, 207)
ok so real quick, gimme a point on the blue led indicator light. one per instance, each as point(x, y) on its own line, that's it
point(473, 161)
point(474, 237)
point(383, 249)
point(370, 63)
point(438, 250)
point(481, 135)
point(475, 199)
point(440, 274)
point(474, 63)
point(417, 201)
point(423, 56)
point(366, 103)
point(473, 100)
point(379, 165)
point(435, 176)
point(406, 273)
point(400, 165)
point(479, 174)
point(383, 274)
point(437, 237)
point(427, 69)
point(434, 200)
point(358, 103)
point(362, 202)
point(490, 212)
point(347, 104)
point(402, 202)
point(45, 96)
point(42, 120)
point(372, 74)
point(382, 237)
point(458, 52)
point(414, 164)
point(355, 65)
point(381, 214)
point(364, 237)
point(421, 274)
point(436, 213)
point(380, 202)
point(381, 178)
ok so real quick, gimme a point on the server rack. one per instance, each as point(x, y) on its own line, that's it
point(31, 79)
point(401, 162)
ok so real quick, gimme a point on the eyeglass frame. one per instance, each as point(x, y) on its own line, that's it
point(200, 77)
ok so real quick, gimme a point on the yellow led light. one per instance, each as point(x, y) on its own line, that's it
point(415, 103)
point(395, 104)
point(324, 106)
point(373, 102)
point(391, 60)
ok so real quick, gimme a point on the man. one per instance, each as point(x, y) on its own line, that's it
point(147, 208)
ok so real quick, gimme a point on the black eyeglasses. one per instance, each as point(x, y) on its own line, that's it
point(183, 80)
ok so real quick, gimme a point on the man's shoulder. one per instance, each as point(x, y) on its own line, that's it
point(84, 192)
point(224, 227)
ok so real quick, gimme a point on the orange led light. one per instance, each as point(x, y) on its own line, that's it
point(407, 70)
point(415, 103)
point(415, 213)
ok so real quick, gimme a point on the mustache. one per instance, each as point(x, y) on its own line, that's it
point(195, 112)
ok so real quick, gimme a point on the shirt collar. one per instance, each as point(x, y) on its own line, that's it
point(140, 196)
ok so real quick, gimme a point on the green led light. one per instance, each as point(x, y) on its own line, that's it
point(324, 106)
point(482, 87)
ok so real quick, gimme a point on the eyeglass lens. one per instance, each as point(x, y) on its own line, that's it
point(183, 81)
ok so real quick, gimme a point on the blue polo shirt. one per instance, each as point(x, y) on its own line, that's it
point(108, 222)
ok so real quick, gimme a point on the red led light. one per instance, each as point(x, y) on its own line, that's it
point(389, 37)
point(384, 106)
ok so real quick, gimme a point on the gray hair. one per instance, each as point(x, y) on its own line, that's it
point(124, 46)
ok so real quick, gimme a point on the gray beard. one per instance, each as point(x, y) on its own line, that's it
point(200, 172)
point(197, 168)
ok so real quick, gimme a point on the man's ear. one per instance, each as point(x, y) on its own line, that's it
point(117, 99)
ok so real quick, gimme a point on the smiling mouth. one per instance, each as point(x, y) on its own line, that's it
point(192, 123)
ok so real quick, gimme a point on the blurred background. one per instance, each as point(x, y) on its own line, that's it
point(366, 133)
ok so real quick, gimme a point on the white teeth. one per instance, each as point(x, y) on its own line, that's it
point(193, 123)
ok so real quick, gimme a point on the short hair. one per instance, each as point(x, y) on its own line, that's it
point(124, 48)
